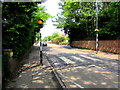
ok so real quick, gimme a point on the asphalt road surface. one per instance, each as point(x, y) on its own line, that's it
point(80, 69)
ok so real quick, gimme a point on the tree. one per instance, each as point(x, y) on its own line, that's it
point(109, 21)
point(55, 38)
point(78, 20)
point(58, 39)
point(48, 38)
point(19, 23)
point(55, 34)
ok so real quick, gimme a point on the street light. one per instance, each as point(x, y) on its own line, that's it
point(40, 23)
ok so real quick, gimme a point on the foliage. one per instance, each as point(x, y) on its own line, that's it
point(64, 43)
point(109, 21)
point(38, 36)
point(55, 38)
point(78, 20)
point(77, 17)
point(19, 24)
point(67, 38)
point(55, 34)
point(48, 38)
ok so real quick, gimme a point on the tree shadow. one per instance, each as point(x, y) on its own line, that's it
point(83, 73)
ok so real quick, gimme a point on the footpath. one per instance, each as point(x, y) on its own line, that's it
point(33, 75)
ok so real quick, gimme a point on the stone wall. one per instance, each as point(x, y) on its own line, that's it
point(104, 45)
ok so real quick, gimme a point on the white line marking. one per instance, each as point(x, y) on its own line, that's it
point(77, 84)
point(68, 61)
point(71, 81)
point(94, 59)
point(77, 58)
point(57, 63)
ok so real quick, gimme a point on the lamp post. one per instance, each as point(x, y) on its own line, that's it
point(40, 22)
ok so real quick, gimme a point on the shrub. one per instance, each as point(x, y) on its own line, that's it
point(58, 39)
point(64, 43)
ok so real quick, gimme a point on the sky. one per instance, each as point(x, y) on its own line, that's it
point(52, 9)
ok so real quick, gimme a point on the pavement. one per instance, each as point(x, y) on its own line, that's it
point(32, 74)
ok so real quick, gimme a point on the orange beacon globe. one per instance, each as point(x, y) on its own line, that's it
point(40, 22)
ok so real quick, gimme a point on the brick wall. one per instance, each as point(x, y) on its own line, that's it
point(104, 45)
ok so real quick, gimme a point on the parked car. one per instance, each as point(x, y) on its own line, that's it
point(44, 43)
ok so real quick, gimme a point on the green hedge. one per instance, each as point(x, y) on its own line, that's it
point(64, 43)
point(19, 24)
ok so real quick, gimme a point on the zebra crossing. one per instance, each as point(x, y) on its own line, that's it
point(66, 60)
point(73, 59)
point(77, 58)
point(91, 58)
point(86, 60)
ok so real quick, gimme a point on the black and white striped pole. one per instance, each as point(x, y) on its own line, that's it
point(96, 27)
point(40, 22)
point(41, 58)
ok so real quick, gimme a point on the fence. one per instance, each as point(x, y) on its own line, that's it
point(104, 45)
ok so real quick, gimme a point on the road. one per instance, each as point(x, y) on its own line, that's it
point(80, 69)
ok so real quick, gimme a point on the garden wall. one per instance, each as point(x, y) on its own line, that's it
point(104, 45)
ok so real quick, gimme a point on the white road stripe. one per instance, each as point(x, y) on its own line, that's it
point(71, 81)
point(77, 84)
point(68, 61)
point(77, 58)
point(57, 63)
point(94, 59)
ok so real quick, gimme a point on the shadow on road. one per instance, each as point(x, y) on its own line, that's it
point(85, 72)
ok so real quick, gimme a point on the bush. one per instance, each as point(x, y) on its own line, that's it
point(64, 43)
point(58, 39)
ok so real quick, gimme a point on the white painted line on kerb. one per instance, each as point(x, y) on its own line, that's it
point(94, 59)
point(68, 61)
point(77, 58)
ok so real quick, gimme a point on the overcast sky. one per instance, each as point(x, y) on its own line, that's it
point(53, 9)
